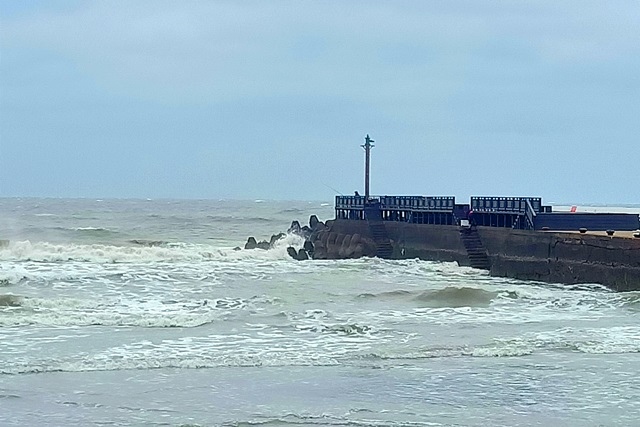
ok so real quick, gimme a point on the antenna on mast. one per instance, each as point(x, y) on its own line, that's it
point(367, 160)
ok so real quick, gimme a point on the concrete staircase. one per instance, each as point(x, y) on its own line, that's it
point(379, 234)
point(478, 257)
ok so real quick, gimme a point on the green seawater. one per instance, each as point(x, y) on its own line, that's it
point(140, 312)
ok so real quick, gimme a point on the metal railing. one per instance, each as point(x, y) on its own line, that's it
point(413, 203)
point(531, 215)
point(349, 202)
point(418, 203)
point(506, 204)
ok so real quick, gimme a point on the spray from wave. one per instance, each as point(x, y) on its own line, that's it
point(139, 251)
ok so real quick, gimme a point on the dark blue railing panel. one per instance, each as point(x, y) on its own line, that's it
point(418, 203)
point(349, 202)
point(559, 221)
point(410, 203)
point(506, 204)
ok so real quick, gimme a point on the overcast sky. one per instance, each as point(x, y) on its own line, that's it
point(272, 99)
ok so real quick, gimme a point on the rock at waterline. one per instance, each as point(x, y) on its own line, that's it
point(295, 228)
point(292, 252)
point(251, 243)
point(313, 222)
point(302, 255)
point(275, 238)
point(308, 246)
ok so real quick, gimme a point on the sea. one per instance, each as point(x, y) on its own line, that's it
point(151, 313)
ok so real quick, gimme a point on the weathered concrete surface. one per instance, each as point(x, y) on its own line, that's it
point(428, 242)
point(554, 257)
point(329, 244)
point(564, 257)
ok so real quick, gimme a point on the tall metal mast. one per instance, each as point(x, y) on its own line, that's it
point(367, 149)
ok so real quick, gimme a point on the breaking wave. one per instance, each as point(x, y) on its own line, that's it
point(74, 312)
point(148, 243)
point(87, 232)
point(138, 251)
point(10, 301)
point(587, 341)
point(293, 420)
point(270, 349)
point(629, 300)
point(148, 361)
point(93, 229)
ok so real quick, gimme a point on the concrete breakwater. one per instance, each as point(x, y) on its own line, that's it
point(554, 257)
point(564, 257)
point(321, 242)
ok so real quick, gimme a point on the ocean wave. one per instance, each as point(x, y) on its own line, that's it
point(510, 350)
point(387, 295)
point(88, 231)
point(327, 420)
point(291, 210)
point(154, 357)
point(91, 229)
point(12, 275)
point(623, 339)
point(587, 287)
point(148, 243)
point(257, 345)
point(449, 296)
point(263, 348)
point(502, 351)
point(615, 340)
point(416, 354)
point(10, 300)
point(139, 252)
point(627, 300)
point(10, 396)
point(241, 219)
point(114, 320)
point(74, 312)
point(338, 328)
point(5, 282)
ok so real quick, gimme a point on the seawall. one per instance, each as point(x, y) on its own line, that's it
point(568, 258)
point(553, 257)
point(424, 241)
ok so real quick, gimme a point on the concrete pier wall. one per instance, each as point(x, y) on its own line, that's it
point(424, 241)
point(564, 257)
point(553, 257)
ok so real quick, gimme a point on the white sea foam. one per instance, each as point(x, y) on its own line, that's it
point(11, 275)
point(152, 313)
point(253, 347)
point(625, 339)
point(260, 345)
point(91, 229)
point(99, 253)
